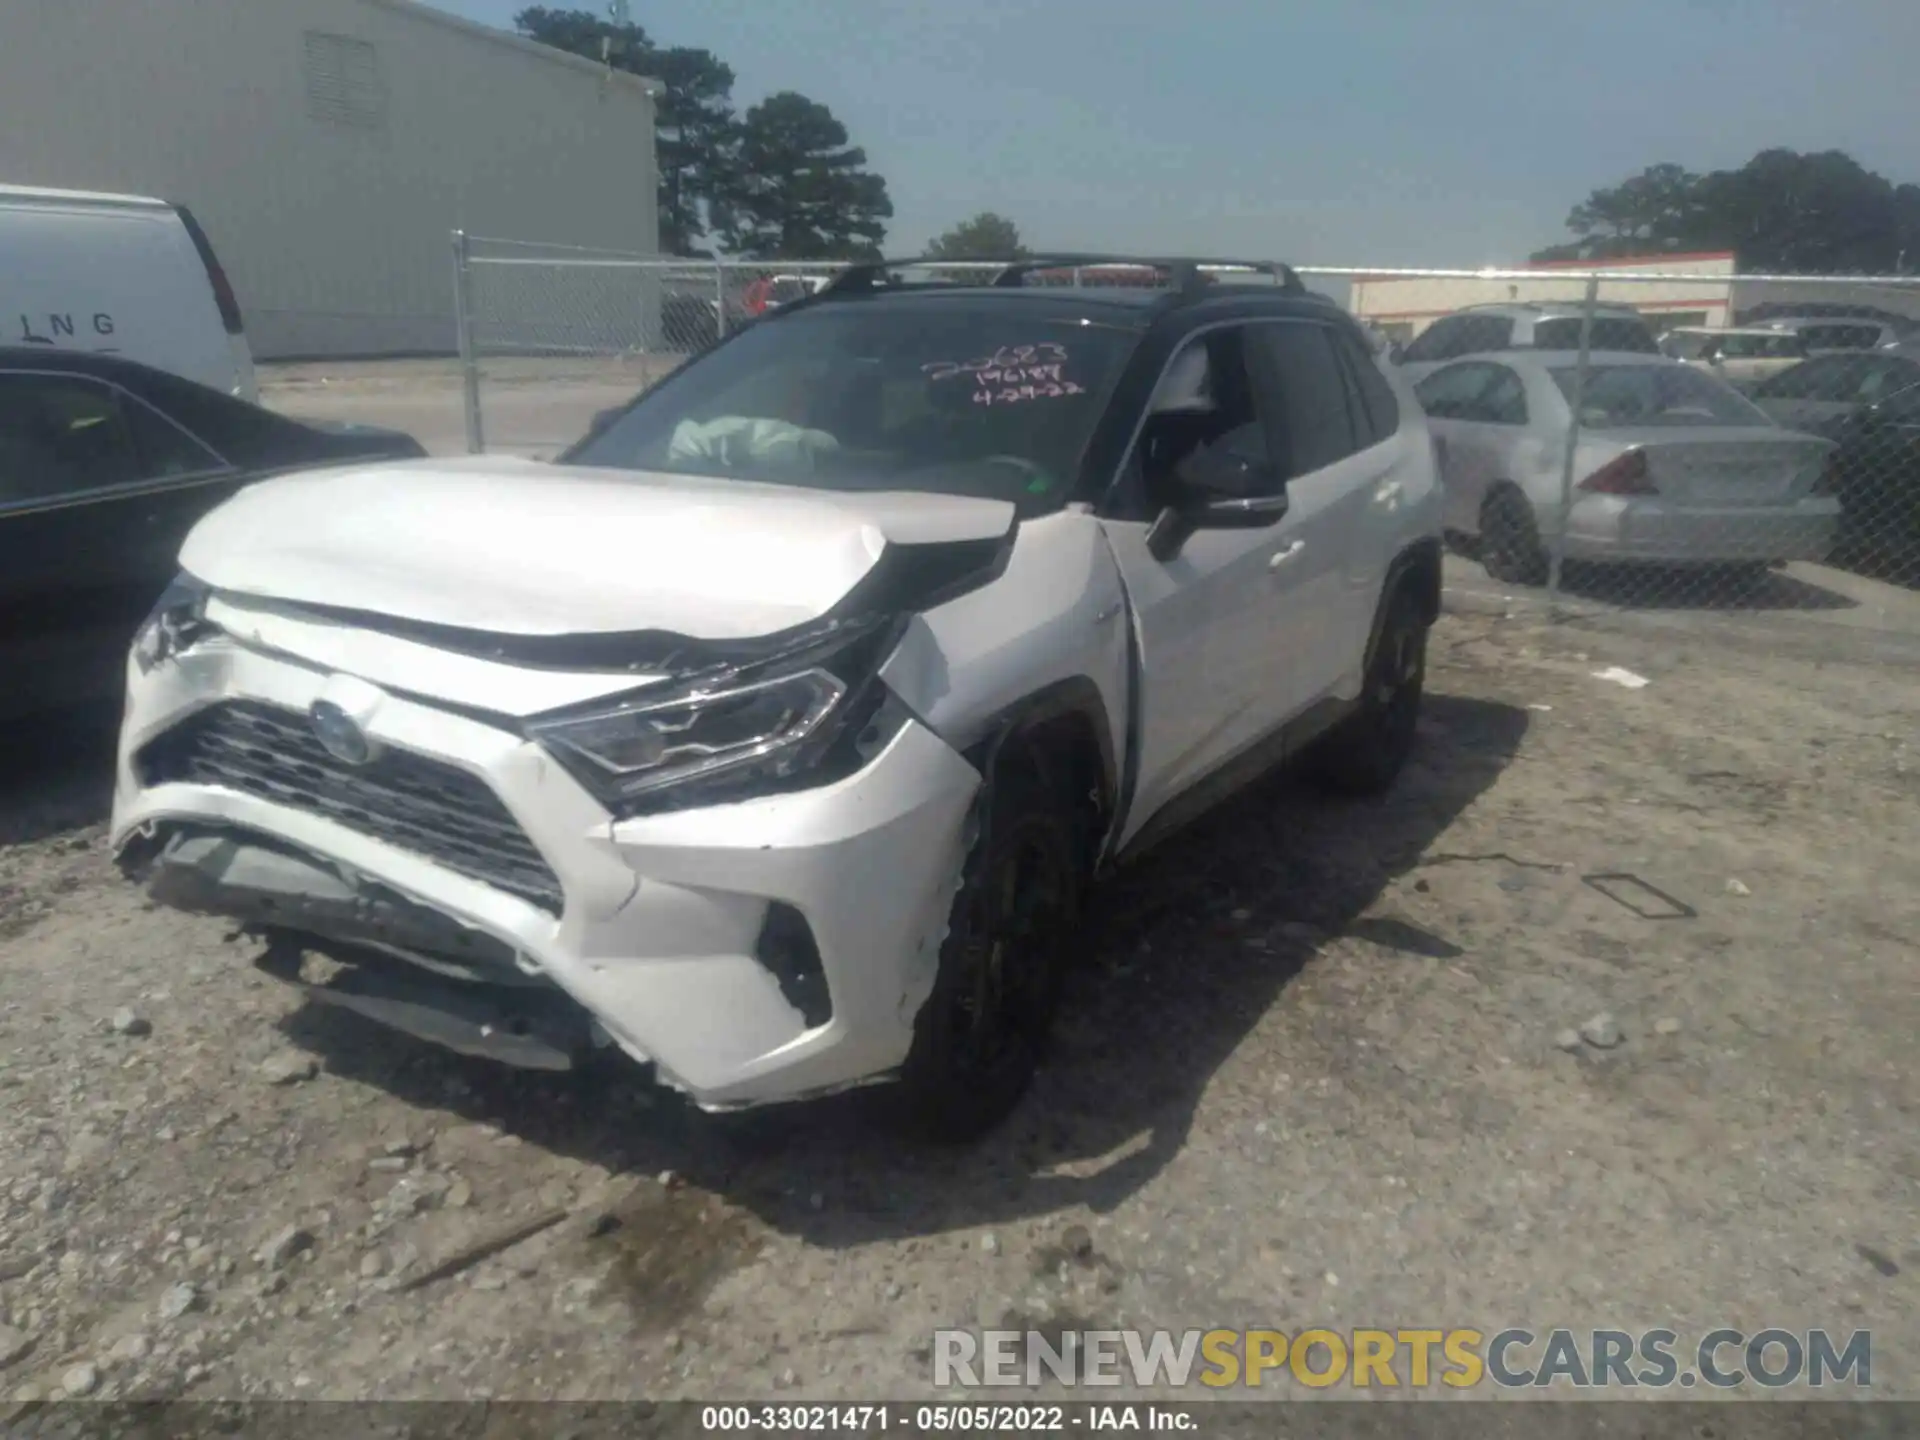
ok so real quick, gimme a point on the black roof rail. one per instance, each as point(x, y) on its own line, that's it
point(1189, 275)
point(872, 274)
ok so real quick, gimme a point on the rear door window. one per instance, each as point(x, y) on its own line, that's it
point(1504, 401)
point(1436, 342)
point(1485, 332)
point(1378, 409)
point(1309, 391)
point(1454, 393)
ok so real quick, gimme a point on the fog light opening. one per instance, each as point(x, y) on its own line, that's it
point(787, 950)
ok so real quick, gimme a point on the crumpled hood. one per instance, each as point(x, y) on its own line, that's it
point(518, 547)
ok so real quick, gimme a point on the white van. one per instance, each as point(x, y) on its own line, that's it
point(122, 275)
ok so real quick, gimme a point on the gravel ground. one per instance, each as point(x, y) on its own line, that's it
point(1308, 1073)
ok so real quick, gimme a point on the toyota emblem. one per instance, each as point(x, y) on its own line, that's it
point(339, 733)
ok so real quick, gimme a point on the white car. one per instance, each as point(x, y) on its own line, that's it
point(1524, 325)
point(120, 275)
point(775, 732)
point(1671, 466)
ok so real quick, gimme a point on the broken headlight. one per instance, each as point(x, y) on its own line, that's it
point(747, 727)
point(177, 619)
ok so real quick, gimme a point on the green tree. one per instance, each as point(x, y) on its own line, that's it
point(696, 132)
point(1782, 210)
point(986, 236)
point(1653, 211)
point(801, 191)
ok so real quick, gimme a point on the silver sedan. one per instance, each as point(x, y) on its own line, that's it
point(1671, 465)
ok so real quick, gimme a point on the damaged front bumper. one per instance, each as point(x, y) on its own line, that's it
point(758, 950)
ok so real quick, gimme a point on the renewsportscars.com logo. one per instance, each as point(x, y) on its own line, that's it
point(1415, 1359)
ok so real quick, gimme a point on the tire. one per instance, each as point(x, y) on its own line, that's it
point(1510, 545)
point(981, 1034)
point(1364, 753)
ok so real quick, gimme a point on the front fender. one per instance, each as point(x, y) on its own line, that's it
point(1055, 623)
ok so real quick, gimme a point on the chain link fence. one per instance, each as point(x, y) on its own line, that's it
point(1665, 436)
point(1672, 435)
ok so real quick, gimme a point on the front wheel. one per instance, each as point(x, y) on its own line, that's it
point(978, 1039)
point(1364, 753)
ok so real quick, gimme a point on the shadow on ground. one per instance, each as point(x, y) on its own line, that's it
point(56, 773)
point(1185, 951)
point(1669, 587)
point(1648, 587)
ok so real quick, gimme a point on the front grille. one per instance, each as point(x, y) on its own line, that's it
point(405, 800)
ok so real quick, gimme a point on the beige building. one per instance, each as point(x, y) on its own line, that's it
point(1403, 307)
point(329, 147)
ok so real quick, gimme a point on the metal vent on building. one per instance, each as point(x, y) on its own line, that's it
point(343, 82)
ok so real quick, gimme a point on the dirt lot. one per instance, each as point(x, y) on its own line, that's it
point(1309, 1073)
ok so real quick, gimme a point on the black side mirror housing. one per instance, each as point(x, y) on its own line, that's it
point(1217, 490)
point(1209, 475)
point(604, 418)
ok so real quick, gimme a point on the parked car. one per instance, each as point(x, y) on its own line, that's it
point(773, 734)
point(119, 275)
point(1868, 404)
point(1521, 325)
point(105, 465)
point(689, 319)
point(1672, 466)
point(1826, 334)
point(1741, 357)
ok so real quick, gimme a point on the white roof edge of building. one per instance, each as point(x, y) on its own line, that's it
point(85, 197)
point(476, 31)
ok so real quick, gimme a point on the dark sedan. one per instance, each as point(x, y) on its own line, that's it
point(105, 465)
point(1868, 403)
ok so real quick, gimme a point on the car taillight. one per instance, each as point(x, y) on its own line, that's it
point(223, 296)
point(1623, 475)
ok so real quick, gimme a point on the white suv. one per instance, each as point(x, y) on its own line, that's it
point(774, 733)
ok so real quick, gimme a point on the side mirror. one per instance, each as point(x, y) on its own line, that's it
point(1217, 490)
point(1211, 475)
point(604, 418)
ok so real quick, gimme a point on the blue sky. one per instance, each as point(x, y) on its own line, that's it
point(1332, 131)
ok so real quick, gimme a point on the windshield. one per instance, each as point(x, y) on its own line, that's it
point(992, 400)
point(1762, 347)
point(1841, 337)
point(1641, 395)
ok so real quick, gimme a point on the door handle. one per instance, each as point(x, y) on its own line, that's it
point(1285, 553)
